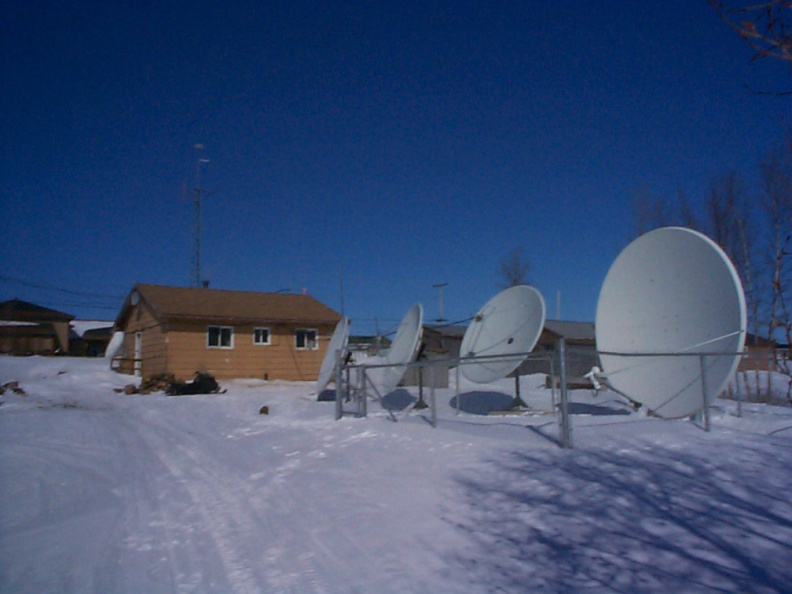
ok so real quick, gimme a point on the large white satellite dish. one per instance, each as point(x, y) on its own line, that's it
point(509, 324)
point(671, 291)
point(338, 342)
point(402, 351)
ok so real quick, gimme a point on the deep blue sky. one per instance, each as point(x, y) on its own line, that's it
point(401, 144)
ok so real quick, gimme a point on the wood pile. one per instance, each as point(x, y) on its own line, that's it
point(13, 387)
point(167, 382)
point(155, 383)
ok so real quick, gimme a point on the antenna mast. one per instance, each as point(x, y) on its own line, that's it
point(196, 258)
point(439, 288)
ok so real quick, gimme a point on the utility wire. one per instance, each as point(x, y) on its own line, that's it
point(38, 285)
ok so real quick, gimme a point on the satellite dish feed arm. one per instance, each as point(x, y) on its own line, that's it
point(593, 376)
point(636, 405)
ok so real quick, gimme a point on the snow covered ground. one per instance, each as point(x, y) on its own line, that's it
point(106, 492)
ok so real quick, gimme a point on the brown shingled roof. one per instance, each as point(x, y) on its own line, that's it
point(182, 303)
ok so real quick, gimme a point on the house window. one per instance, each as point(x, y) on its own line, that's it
point(261, 336)
point(220, 337)
point(305, 339)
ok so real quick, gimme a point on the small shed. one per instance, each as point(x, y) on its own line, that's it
point(443, 340)
point(439, 343)
point(29, 329)
point(228, 334)
point(581, 350)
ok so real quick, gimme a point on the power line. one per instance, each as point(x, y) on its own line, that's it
point(39, 285)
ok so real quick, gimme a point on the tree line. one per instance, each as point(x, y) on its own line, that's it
point(753, 225)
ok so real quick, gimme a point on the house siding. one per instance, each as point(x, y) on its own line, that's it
point(186, 353)
point(762, 358)
point(174, 324)
point(33, 329)
point(154, 356)
point(20, 344)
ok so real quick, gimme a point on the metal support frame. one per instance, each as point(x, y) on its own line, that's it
point(339, 387)
point(457, 390)
point(432, 398)
point(705, 410)
point(357, 391)
point(566, 429)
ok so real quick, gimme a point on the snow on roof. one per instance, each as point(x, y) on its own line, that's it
point(80, 327)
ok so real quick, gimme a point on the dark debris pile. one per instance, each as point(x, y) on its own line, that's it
point(167, 382)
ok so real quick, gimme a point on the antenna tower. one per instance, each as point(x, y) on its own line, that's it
point(439, 287)
point(196, 257)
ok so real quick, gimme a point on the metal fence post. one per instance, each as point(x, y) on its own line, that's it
point(362, 396)
point(432, 396)
point(566, 430)
point(457, 388)
point(705, 410)
point(339, 396)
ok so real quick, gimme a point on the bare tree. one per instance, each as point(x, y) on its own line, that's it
point(729, 222)
point(776, 172)
point(725, 215)
point(727, 219)
point(755, 231)
point(514, 268)
point(687, 214)
point(766, 27)
point(650, 211)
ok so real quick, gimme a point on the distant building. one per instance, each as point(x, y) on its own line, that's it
point(581, 349)
point(29, 329)
point(228, 334)
point(760, 354)
point(89, 338)
point(443, 341)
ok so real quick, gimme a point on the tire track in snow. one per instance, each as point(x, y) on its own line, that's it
point(224, 512)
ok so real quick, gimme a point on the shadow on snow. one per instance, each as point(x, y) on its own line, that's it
point(642, 519)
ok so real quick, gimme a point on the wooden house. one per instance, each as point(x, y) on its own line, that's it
point(228, 334)
point(29, 329)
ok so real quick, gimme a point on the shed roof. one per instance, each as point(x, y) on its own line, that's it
point(453, 331)
point(19, 310)
point(214, 305)
point(571, 330)
point(565, 328)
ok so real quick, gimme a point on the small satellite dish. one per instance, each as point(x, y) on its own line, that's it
point(338, 342)
point(402, 351)
point(671, 291)
point(134, 297)
point(509, 324)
